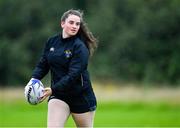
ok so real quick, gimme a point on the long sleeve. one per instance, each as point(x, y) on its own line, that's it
point(42, 66)
point(78, 64)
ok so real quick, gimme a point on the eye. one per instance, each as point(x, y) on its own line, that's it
point(78, 24)
point(71, 22)
point(74, 23)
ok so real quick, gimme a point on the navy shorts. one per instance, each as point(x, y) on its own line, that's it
point(79, 103)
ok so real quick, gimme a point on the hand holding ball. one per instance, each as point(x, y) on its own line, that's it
point(34, 91)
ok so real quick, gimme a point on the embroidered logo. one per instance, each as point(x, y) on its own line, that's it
point(68, 53)
point(51, 49)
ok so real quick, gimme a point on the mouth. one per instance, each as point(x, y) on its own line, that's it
point(73, 31)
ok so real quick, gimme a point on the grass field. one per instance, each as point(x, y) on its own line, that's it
point(18, 113)
point(109, 114)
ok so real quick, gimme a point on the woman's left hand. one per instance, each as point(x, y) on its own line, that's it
point(47, 92)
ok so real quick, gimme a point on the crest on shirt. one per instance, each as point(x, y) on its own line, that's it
point(68, 53)
point(51, 49)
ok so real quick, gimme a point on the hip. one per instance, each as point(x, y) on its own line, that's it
point(79, 103)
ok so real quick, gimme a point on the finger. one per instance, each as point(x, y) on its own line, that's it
point(46, 94)
point(47, 89)
point(42, 99)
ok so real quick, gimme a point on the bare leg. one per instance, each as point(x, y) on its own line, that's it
point(84, 119)
point(58, 113)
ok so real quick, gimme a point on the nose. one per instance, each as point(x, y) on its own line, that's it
point(74, 26)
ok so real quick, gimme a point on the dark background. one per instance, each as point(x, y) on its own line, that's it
point(138, 39)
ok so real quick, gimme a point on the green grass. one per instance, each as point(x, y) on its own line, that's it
point(110, 114)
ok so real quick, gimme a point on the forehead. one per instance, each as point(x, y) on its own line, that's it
point(74, 18)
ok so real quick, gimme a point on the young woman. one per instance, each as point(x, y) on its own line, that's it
point(66, 55)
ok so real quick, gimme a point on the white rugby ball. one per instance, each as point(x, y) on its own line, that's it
point(33, 91)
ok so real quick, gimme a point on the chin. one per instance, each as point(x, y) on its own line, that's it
point(73, 34)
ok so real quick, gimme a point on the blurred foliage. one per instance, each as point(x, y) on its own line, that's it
point(138, 39)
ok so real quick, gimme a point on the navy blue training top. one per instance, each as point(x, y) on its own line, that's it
point(67, 59)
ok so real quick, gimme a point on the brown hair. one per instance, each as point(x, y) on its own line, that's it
point(84, 33)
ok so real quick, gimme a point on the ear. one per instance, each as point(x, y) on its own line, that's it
point(62, 24)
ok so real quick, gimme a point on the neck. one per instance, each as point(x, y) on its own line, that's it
point(64, 35)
